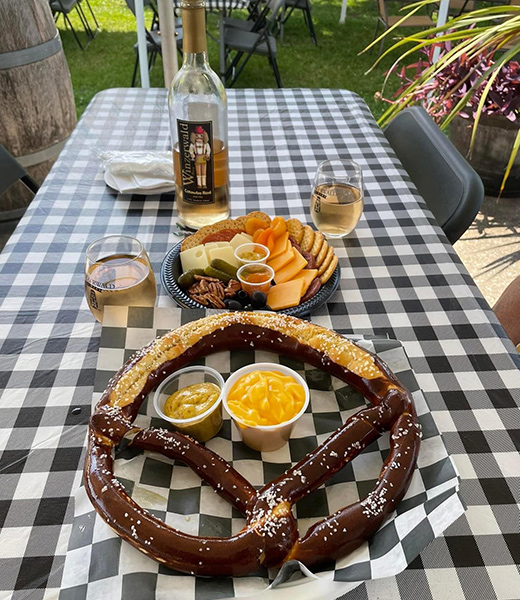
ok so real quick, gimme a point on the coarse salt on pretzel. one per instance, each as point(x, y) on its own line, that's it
point(270, 536)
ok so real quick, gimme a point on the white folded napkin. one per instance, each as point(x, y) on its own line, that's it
point(138, 172)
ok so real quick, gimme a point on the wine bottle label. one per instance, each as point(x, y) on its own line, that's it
point(196, 154)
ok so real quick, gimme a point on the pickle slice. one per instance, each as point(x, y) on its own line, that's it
point(188, 278)
point(225, 267)
point(218, 274)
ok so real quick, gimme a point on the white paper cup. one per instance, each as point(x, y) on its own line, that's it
point(265, 438)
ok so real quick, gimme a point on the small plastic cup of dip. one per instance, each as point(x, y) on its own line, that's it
point(191, 400)
point(252, 253)
point(264, 438)
point(255, 277)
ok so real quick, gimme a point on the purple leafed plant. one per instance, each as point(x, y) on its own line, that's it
point(442, 93)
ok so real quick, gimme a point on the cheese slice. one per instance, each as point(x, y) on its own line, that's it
point(282, 259)
point(307, 276)
point(194, 258)
point(280, 245)
point(285, 295)
point(291, 269)
point(241, 238)
point(226, 254)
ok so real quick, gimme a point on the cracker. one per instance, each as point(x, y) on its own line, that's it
point(317, 244)
point(322, 253)
point(307, 239)
point(326, 261)
point(196, 238)
point(330, 269)
point(241, 221)
point(295, 229)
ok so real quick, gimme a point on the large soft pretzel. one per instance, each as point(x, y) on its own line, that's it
point(270, 536)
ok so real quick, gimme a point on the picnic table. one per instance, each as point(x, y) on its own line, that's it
point(400, 279)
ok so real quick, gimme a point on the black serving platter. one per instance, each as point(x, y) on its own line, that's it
point(171, 270)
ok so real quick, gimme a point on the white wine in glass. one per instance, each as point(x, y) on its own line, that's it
point(118, 272)
point(337, 197)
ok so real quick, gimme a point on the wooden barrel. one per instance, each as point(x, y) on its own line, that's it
point(37, 110)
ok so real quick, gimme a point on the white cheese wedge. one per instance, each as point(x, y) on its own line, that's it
point(224, 254)
point(194, 258)
point(239, 239)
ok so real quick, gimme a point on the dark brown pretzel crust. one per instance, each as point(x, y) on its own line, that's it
point(270, 536)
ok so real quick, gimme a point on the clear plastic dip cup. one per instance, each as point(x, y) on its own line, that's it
point(196, 389)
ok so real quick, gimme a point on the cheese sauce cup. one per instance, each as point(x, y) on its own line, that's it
point(188, 386)
point(264, 438)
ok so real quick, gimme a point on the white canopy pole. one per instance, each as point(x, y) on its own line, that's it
point(141, 44)
point(168, 41)
point(343, 14)
point(441, 20)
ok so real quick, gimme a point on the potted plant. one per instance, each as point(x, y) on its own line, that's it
point(468, 81)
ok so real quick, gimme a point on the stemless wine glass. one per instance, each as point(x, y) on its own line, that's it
point(337, 197)
point(118, 271)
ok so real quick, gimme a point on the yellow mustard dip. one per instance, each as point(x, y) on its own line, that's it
point(191, 401)
point(266, 398)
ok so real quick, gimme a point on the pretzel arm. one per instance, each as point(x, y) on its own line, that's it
point(208, 465)
point(348, 528)
point(236, 555)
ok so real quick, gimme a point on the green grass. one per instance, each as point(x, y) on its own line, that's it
point(334, 63)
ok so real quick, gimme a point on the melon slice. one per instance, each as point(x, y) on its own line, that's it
point(285, 295)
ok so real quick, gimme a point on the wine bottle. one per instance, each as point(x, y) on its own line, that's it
point(198, 121)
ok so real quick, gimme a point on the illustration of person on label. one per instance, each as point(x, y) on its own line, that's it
point(200, 153)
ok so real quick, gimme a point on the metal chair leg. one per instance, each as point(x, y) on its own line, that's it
point(276, 71)
point(68, 21)
point(93, 15)
point(310, 23)
point(134, 76)
point(375, 33)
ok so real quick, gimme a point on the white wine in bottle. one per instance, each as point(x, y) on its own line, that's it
point(198, 120)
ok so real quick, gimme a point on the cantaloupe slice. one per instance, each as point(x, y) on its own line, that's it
point(280, 245)
point(291, 270)
point(307, 275)
point(285, 295)
point(282, 259)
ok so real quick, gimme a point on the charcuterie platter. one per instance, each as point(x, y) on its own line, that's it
point(302, 270)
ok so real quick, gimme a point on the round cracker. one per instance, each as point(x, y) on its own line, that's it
point(330, 269)
point(307, 239)
point(317, 244)
point(196, 238)
point(295, 229)
point(322, 253)
point(326, 262)
point(257, 214)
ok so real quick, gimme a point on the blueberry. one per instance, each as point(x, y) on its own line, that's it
point(248, 307)
point(258, 299)
point(234, 305)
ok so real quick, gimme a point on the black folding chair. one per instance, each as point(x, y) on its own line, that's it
point(451, 188)
point(260, 40)
point(253, 19)
point(306, 8)
point(12, 171)
point(153, 38)
point(65, 7)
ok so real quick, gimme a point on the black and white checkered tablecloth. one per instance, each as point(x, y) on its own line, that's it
point(400, 278)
